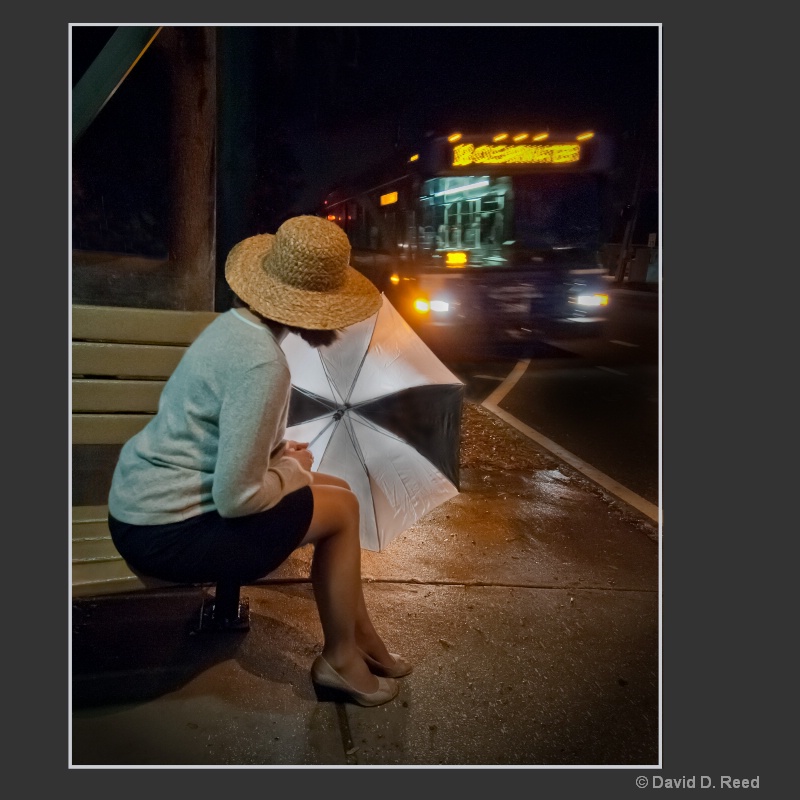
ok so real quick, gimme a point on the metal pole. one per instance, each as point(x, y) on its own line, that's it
point(622, 263)
point(106, 73)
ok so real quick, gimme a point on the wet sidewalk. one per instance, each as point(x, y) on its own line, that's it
point(529, 605)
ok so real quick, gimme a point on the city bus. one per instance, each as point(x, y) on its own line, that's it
point(487, 239)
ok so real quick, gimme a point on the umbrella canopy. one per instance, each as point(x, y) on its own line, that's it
point(381, 411)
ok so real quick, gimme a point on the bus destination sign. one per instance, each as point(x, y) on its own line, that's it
point(467, 154)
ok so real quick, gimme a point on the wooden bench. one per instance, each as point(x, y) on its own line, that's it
point(121, 359)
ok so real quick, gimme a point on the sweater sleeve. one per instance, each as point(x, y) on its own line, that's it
point(252, 474)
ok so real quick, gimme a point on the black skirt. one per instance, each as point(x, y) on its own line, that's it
point(210, 548)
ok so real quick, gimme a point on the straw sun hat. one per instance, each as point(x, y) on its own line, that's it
point(301, 276)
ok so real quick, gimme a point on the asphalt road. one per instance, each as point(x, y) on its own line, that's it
point(595, 400)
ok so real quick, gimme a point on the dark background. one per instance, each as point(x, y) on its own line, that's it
point(319, 104)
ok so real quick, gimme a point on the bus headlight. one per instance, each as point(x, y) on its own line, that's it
point(422, 305)
point(591, 300)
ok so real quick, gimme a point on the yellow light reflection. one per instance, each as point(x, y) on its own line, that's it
point(421, 305)
point(455, 258)
point(453, 137)
point(414, 157)
point(388, 199)
point(520, 137)
point(500, 137)
point(540, 137)
point(394, 279)
point(584, 136)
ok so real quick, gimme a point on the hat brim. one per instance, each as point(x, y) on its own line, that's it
point(355, 300)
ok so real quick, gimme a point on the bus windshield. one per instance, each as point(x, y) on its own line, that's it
point(492, 216)
point(556, 211)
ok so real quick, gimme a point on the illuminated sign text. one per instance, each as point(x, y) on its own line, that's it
point(466, 154)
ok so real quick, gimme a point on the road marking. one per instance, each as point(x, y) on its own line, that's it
point(509, 383)
point(491, 403)
point(624, 344)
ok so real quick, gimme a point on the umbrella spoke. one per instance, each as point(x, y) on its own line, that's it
point(334, 388)
point(348, 426)
point(357, 373)
point(333, 421)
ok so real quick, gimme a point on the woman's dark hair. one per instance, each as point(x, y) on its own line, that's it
point(313, 338)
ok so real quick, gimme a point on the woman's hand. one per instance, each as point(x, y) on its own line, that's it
point(299, 452)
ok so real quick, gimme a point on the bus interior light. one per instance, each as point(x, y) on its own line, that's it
point(394, 279)
point(476, 185)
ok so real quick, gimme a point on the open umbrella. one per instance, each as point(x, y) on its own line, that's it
point(381, 411)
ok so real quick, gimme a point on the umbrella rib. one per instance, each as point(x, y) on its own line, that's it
point(357, 448)
point(313, 395)
point(354, 441)
point(368, 423)
point(360, 365)
point(332, 421)
point(331, 383)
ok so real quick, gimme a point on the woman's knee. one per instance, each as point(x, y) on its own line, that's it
point(324, 479)
point(336, 510)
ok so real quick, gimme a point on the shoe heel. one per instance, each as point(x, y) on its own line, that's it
point(327, 694)
point(330, 685)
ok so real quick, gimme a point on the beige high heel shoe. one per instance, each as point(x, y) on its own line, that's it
point(330, 685)
point(399, 669)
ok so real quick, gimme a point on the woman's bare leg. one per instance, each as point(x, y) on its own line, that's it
point(336, 580)
point(367, 638)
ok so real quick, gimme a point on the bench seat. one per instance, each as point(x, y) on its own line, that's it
point(121, 360)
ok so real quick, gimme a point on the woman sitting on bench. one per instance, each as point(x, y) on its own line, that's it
point(209, 490)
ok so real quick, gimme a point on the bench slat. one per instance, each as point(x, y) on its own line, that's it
point(104, 578)
point(106, 428)
point(97, 566)
point(145, 325)
point(114, 395)
point(125, 360)
point(87, 514)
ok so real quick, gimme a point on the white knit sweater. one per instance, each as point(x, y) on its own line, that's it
point(217, 439)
